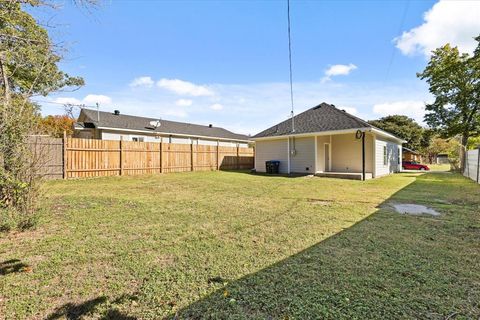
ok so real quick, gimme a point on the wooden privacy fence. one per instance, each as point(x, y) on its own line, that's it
point(47, 156)
point(94, 158)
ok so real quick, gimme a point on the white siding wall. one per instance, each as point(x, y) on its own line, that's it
point(107, 135)
point(394, 151)
point(271, 150)
point(303, 161)
point(128, 136)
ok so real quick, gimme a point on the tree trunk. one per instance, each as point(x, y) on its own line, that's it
point(6, 86)
point(463, 150)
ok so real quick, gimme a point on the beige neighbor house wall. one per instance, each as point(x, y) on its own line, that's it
point(346, 153)
point(303, 158)
point(128, 136)
point(388, 155)
point(271, 150)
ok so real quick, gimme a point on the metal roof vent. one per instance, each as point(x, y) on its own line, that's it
point(116, 112)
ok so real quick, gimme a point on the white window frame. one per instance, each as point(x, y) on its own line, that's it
point(385, 155)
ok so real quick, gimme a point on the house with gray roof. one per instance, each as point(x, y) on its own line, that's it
point(94, 124)
point(327, 141)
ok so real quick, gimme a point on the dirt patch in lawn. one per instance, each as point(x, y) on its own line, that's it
point(320, 202)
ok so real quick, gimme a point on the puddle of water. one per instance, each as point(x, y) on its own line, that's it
point(414, 209)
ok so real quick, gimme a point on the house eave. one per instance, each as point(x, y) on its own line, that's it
point(310, 134)
point(387, 135)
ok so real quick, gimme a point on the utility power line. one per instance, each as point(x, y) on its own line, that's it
point(394, 50)
point(64, 104)
point(290, 63)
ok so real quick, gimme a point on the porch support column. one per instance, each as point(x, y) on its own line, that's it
point(363, 156)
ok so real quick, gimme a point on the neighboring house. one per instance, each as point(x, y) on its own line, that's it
point(93, 124)
point(411, 155)
point(442, 158)
point(328, 142)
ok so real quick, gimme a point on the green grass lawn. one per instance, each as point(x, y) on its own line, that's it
point(233, 245)
point(439, 167)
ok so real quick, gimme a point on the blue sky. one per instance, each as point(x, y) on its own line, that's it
point(226, 63)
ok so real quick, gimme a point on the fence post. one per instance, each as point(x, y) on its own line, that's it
point(191, 156)
point(238, 157)
point(254, 154)
point(478, 165)
point(218, 155)
point(161, 155)
point(121, 155)
point(64, 157)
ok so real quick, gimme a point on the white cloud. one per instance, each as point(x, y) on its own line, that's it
point(184, 87)
point(454, 22)
point(97, 98)
point(67, 100)
point(412, 108)
point(216, 106)
point(183, 102)
point(350, 110)
point(340, 69)
point(142, 82)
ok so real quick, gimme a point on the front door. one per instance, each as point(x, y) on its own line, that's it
point(327, 157)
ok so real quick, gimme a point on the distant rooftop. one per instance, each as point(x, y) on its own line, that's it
point(89, 118)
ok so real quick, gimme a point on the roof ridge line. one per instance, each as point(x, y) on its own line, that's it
point(149, 118)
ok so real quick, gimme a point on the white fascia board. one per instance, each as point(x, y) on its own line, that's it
point(173, 134)
point(311, 134)
point(387, 135)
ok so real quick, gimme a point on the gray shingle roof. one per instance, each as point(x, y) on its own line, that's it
point(122, 121)
point(324, 117)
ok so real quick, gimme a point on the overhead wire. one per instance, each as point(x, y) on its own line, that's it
point(290, 64)
point(394, 50)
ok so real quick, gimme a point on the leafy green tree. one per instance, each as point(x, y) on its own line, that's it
point(473, 143)
point(403, 127)
point(28, 67)
point(454, 81)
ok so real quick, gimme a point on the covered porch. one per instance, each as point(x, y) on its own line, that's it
point(347, 156)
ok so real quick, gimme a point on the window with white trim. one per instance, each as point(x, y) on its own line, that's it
point(385, 156)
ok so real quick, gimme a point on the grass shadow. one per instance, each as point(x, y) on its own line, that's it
point(386, 266)
point(270, 175)
point(77, 311)
point(12, 266)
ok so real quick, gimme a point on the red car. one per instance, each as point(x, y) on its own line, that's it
point(413, 165)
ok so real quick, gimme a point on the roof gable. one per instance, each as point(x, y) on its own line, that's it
point(128, 122)
point(324, 117)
